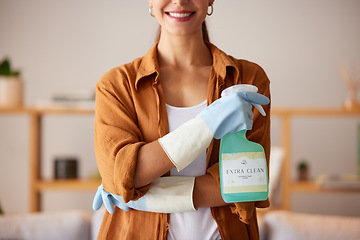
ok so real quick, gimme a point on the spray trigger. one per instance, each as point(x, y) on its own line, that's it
point(260, 109)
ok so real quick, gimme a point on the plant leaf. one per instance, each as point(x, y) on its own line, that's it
point(5, 68)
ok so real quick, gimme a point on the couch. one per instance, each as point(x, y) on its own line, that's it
point(274, 225)
point(69, 225)
point(279, 225)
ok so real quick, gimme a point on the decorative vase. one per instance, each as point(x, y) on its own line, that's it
point(11, 91)
point(352, 84)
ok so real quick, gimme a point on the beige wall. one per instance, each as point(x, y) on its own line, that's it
point(60, 45)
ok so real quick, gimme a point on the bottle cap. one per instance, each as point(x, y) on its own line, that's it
point(243, 88)
point(239, 88)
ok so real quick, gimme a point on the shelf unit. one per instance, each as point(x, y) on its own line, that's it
point(36, 184)
point(286, 115)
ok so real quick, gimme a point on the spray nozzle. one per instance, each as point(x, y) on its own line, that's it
point(243, 88)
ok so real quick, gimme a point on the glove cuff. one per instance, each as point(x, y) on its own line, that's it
point(171, 194)
point(187, 142)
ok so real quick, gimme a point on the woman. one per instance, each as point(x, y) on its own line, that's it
point(166, 185)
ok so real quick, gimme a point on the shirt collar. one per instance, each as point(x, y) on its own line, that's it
point(222, 63)
point(149, 64)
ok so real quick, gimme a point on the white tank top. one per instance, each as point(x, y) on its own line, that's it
point(198, 225)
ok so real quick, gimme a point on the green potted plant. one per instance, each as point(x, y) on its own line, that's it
point(11, 86)
point(1, 211)
point(303, 171)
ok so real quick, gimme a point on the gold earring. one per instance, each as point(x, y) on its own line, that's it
point(211, 10)
point(150, 10)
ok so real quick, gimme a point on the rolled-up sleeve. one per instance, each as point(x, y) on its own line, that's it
point(117, 136)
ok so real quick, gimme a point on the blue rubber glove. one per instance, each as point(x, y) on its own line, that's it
point(166, 195)
point(232, 113)
point(102, 196)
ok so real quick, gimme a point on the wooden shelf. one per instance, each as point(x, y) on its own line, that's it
point(314, 112)
point(37, 186)
point(5, 110)
point(36, 110)
point(286, 116)
point(304, 187)
point(70, 111)
point(313, 187)
point(81, 184)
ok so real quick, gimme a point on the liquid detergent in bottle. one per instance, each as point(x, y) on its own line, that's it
point(243, 169)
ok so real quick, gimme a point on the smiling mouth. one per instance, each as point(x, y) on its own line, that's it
point(180, 15)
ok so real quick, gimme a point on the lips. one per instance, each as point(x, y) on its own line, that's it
point(180, 15)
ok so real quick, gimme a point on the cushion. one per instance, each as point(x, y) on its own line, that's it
point(70, 225)
point(289, 225)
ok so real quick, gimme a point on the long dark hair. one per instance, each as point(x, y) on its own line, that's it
point(205, 33)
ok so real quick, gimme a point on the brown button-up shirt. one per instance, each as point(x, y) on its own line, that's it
point(131, 111)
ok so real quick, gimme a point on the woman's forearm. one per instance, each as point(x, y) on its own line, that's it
point(152, 163)
point(207, 192)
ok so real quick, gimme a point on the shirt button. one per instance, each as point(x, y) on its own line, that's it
point(219, 218)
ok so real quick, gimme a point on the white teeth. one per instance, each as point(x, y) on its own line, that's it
point(179, 15)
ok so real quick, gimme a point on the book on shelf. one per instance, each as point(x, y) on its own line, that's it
point(339, 181)
point(74, 99)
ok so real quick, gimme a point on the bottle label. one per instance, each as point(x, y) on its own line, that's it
point(244, 172)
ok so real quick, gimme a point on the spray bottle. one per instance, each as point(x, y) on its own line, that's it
point(243, 169)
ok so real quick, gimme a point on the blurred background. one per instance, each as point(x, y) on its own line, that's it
point(62, 47)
